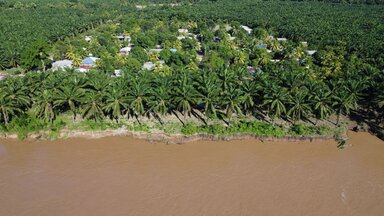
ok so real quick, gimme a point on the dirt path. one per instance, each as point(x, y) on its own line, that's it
point(127, 176)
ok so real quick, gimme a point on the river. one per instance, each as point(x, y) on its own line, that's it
point(127, 176)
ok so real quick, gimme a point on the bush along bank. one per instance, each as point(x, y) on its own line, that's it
point(65, 127)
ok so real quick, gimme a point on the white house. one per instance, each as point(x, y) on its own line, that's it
point(117, 73)
point(148, 66)
point(3, 76)
point(282, 39)
point(125, 50)
point(310, 52)
point(155, 51)
point(140, 6)
point(62, 64)
point(275, 60)
point(88, 38)
point(180, 37)
point(304, 43)
point(124, 37)
point(247, 29)
point(183, 31)
point(230, 37)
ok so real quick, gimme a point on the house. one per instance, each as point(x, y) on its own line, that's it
point(140, 7)
point(247, 29)
point(151, 66)
point(125, 50)
point(231, 38)
point(180, 37)
point(88, 38)
point(124, 37)
point(173, 50)
point(183, 31)
point(89, 62)
point(251, 69)
point(62, 64)
point(155, 51)
point(148, 66)
point(304, 43)
point(310, 52)
point(3, 76)
point(261, 46)
point(81, 70)
point(117, 73)
point(275, 60)
point(282, 39)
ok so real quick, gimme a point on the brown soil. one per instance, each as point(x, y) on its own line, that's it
point(129, 176)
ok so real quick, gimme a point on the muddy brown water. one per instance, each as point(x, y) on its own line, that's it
point(127, 176)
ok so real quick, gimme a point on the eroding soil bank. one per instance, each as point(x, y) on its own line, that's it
point(129, 176)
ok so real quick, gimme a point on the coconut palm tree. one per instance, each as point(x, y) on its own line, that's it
point(275, 99)
point(116, 101)
point(322, 103)
point(343, 103)
point(232, 101)
point(209, 90)
point(299, 105)
point(8, 106)
point(70, 96)
point(92, 105)
point(137, 95)
point(43, 105)
point(159, 96)
point(184, 94)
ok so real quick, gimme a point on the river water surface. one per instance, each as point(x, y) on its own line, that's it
point(127, 176)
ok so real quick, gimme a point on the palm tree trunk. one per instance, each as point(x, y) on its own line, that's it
point(5, 118)
point(338, 118)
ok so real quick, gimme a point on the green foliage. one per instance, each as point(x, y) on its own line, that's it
point(36, 56)
point(303, 130)
point(254, 128)
point(24, 125)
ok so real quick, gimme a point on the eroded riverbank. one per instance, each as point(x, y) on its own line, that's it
point(129, 176)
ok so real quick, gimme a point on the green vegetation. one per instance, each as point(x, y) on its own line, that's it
point(216, 71)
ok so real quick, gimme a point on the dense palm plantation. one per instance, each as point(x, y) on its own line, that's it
point(207, 78)
point(225, 93)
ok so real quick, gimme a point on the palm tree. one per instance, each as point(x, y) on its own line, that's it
point(232, 101)
point(3, 62)
point(74, 56)
point(300, 106)
point(322, 101)
point(209, 90)
point(159, 96)
point(343, 103)
point(70, 96)
point(8, 107)
point(116, 101)
point(275, 98)
point(137, 95)
point(17, 90)
point(92, 105)
point(43, 106)
point(249, 88)
point(184, 94)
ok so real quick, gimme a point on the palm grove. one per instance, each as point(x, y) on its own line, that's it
point(331, 83)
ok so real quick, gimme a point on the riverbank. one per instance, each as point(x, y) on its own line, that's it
point(173, 130)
